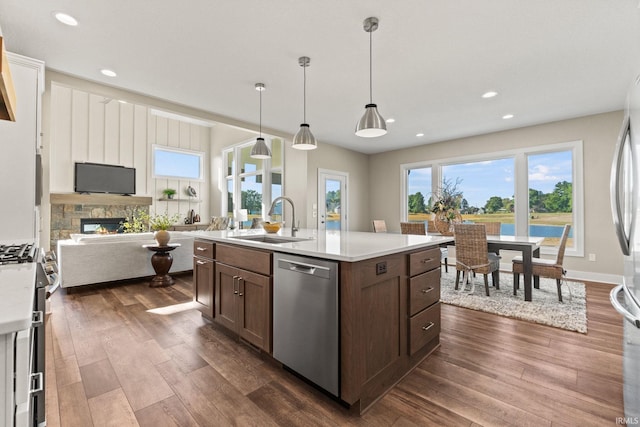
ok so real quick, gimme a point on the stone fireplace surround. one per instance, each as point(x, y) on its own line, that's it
point(68, 208)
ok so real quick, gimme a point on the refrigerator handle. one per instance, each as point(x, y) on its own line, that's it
point(616, 170)
point(620, 308)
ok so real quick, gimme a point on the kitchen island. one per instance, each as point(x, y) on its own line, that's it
point(388, 297)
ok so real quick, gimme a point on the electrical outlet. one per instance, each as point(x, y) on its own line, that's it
point(592, 257)
point(381, 267)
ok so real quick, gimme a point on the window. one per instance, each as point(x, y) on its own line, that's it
point(177, 163)
point(532, 191)
point(252, 183)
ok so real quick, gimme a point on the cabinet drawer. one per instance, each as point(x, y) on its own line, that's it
point(423, 327)
point(424, 290)
point(204, 249)
point(242, 257)
point(422, 261)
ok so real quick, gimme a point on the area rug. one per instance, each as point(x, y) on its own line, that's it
point(571, 314)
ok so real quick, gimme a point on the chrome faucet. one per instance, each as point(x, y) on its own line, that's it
point(293, 212)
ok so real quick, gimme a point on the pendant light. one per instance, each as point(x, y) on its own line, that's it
point(371, 124)
point(260, 149)
point(304, 139)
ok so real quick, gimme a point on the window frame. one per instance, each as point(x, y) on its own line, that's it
point(266, 171)
point(200, 154)
point(521, 186)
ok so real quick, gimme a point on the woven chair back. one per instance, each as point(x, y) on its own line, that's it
point(493, 228)
point(431, 227)
point(471, 247)
point(413, 228)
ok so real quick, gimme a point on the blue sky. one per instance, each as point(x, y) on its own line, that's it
point(481, 180)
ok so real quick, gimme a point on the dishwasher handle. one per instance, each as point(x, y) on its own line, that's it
point(304, 268)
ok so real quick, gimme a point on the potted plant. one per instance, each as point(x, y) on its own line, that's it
point(169, 193)
point(445, 206)
point(160, 224)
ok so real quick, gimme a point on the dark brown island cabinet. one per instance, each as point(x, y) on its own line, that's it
point(389, 310)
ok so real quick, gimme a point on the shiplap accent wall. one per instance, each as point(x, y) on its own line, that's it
point(86, 128)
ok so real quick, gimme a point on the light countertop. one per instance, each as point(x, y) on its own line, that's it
point(17, 284)
point(348, 246)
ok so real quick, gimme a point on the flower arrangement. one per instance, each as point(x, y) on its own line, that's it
point(162, 221)
point(446, 202)
point(140, 221)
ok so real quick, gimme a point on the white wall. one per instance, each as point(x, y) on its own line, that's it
point(598, 133)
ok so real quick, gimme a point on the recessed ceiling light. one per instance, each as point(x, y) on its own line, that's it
point(507, 116)
point(390, 120)
point(66, 19)
point(489, 94)
point(108, 73)
point(419, 134)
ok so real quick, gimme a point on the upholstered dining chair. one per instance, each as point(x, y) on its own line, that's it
point(444, 252)
point(472, 256)
point(541, 267)
point(379, 226)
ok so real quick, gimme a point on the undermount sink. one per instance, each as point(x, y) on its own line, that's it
point(264, 238)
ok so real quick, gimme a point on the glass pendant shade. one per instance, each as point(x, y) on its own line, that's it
point(371, 124)
point(260, 150)
point(304, 139)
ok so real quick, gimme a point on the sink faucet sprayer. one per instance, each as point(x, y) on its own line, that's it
point(293, 212)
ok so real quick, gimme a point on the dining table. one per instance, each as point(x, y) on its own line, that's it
point(528, 246)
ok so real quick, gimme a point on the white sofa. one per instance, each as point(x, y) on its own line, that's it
point(92, 258)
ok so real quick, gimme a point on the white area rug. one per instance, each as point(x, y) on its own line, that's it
point(571, 314)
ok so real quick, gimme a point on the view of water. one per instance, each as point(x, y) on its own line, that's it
point(505, 229)
point(536, 230)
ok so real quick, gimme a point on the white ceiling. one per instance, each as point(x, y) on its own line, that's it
point(432, 60)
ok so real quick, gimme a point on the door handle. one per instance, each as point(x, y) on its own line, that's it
point(616, 210)
point(235, 281)
point(620, 308)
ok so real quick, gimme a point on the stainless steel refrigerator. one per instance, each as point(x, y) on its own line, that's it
point(625, 206)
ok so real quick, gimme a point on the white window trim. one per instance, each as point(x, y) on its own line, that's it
point(521, 185)
point(157, 147)
point(265, 171)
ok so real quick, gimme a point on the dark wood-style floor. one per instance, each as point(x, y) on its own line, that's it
point(127, 354)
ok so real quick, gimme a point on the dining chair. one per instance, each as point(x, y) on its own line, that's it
point(444, 252)
point(541, 267)
point(472, 256)
point(413, 228)
point(493, 228)
point(379, 226)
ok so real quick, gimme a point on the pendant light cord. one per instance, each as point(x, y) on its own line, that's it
point(260, 113)
point(370, 67)
point(304, 93)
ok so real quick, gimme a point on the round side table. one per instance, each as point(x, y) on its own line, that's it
point(161, 262)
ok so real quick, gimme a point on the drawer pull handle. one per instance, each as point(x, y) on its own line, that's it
point(198, 248)
point(427, 260)
point(200, 262)
point(429, 326)
point(426, 291)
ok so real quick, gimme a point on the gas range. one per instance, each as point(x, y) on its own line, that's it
point(18, 253)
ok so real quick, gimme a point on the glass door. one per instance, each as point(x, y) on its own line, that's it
point(332, 197)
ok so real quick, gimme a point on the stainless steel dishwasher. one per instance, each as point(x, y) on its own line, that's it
point(305, 318)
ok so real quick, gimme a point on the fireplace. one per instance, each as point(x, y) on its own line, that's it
point(101, 225)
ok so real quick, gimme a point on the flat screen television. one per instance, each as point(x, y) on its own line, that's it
point(101, 178)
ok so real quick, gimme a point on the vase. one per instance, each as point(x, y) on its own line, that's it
point(444, 225)
point(162, 237)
